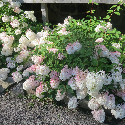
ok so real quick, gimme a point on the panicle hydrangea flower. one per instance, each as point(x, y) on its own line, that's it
point(30, 83)
point(72, 83)
point(42, 70)
point(30, 15)
point(75, 71)
point(102, 27)
point(81, 79)
point(18, 31)
point(24, 40)
point(109, 26)
point(24, 24)
point(99, 40)
point(30, 35)
point(117, 76)
point(60, 56)
point(1, 3)
point(3, 73)
point(15, 4)
point(11, 65)
point(116, 53)
point(54, 74)
point(122, 84)
point(54, 50)
point(104, 53)
point(93, 104)
point(5, 18)
point(17, 77)
point(102, 99)
point(7, 51)
point(94, 82)
point(19, 59)
point(99, 115)
point(59, 96)
point(81, 94)
point(72, 103)
point(54, 82)
point(110, 104)
point(63, 31)
point(8, 40)
point(26, 72)
point(2, 35)
point(70, 49)
point(108, 79)
point(116, 45)
point(118, 112)
point(37, 59)
point(19, 68)
point(77, 46)
point(39, 90)
point(17, 10)
point(65, 73)
point(15, 23)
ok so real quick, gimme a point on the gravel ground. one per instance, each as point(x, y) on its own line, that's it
point(28, 111)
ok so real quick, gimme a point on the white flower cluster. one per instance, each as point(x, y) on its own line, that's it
point(15, 6)
point(72, 103)
point(94, 82)
point(30, 15)
point(7, 44)
point(5, 18)
point(116, 45)
point(3, 73)
point(93, 104)
point(1, 3)
point(108, 26)
point(99, 115)
point(65, 73)
point(37, 59)
point(18, 31)
point(71, 48)
point(43, 70)
point(15, 23)
point(59, 96)
point(31, 40)
point(17, 77)
point(10, 62)
point(63, 26)
point(23, 55)
point(118, 112)
point(30, 83)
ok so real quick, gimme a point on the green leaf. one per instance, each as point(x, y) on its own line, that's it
point(113, 6)
point(118, 7)
point(70, 90)
point(96, 3)
point(90, 1)
point(117, 13)
point(63, 91)
point(110, 11)
point(107, 17)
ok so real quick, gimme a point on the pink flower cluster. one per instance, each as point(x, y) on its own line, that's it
point(99, 115)
point(42, 88)
point(54, 81)
point(65, 73)
point(37, 59)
